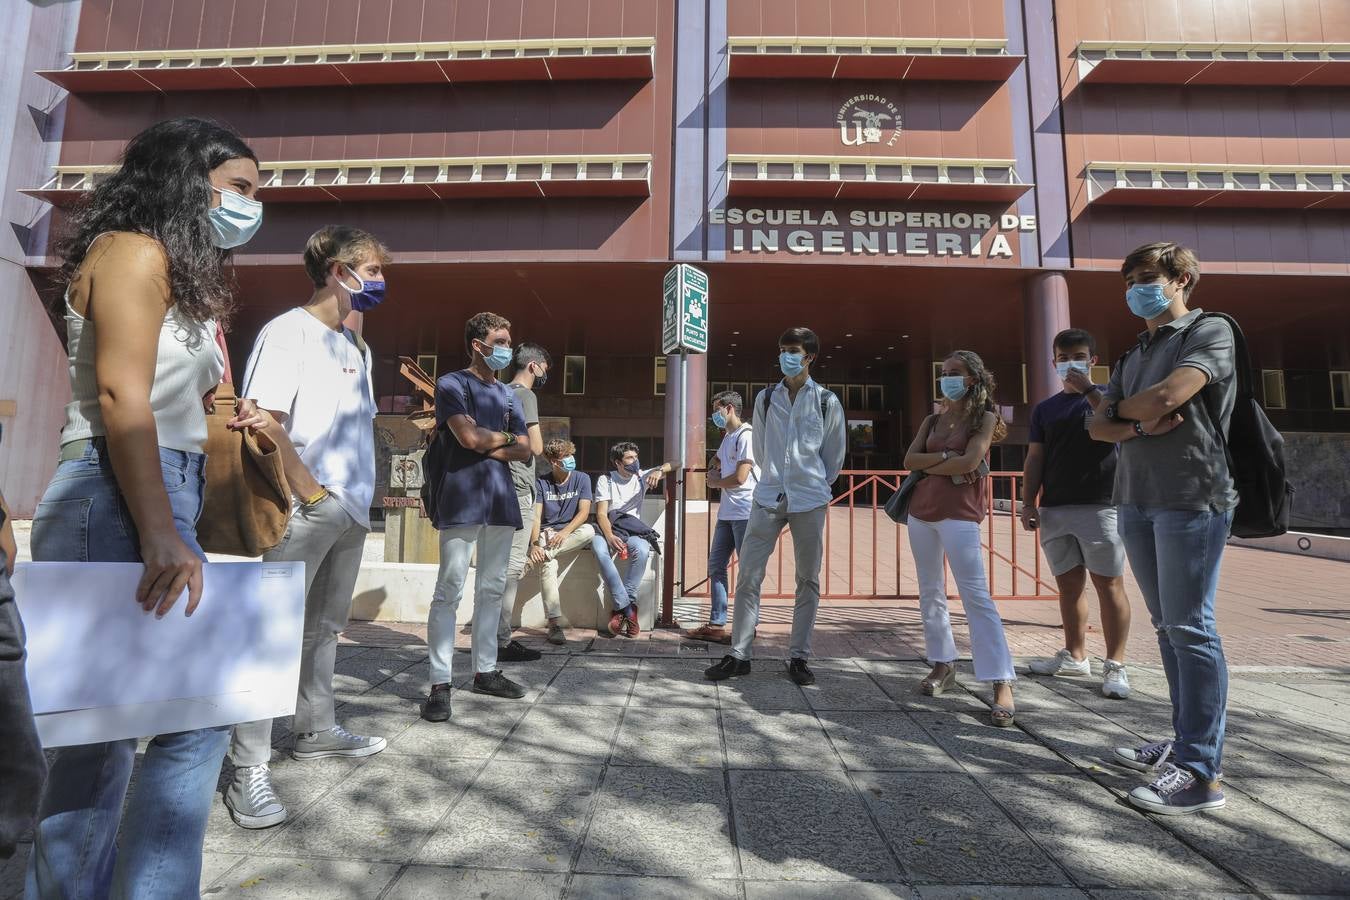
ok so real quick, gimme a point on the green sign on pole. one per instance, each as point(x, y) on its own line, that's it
point(684, 310)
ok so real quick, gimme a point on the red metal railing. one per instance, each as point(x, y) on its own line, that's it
point(866, 554)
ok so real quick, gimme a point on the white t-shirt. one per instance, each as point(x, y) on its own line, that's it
point(735, 449)
point(321, 381)
point(622, 496)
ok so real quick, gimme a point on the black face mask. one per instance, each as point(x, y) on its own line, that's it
point(541, 380)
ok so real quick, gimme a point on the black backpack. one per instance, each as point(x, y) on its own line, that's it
point(762, 403)
point(1255, 452)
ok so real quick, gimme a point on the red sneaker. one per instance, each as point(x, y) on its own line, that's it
point(633, 629)
point(616, 624)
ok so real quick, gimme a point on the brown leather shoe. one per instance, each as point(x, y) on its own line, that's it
point(716, 634)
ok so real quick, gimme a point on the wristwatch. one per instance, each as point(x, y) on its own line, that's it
point(1139, 430)
point(946, 454)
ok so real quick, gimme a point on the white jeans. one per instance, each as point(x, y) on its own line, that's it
point(457, 546)
point(961, 542)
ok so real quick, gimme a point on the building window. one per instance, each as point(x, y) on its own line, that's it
point(659, 377)
point(574, 375)
point(876, 398)
point(1272, 388)
point(1340, 390)
point(1100, 374)
point(856, 397)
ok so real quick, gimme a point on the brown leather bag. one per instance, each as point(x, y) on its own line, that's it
point(247, 503)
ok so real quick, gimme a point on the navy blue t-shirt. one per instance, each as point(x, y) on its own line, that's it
point(476, 489)
point(1078, 470)
point(561, 501)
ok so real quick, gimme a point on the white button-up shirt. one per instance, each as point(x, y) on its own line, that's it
point(799, 452)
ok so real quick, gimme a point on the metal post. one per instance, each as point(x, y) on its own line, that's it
point(684, 463)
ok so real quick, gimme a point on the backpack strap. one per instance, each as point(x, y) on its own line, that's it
point(825, 396)
point(1242, 362)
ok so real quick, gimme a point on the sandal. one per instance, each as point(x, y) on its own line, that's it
point(999, 715)
point(930, 688)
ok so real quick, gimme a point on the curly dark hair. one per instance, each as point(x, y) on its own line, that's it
point(163, 190)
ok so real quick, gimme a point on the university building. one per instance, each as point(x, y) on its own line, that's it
point(906, 177)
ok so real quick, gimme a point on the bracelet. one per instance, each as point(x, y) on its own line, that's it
point(310, 501)
point(510, 439)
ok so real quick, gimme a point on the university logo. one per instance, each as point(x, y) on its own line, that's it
point(866, 119)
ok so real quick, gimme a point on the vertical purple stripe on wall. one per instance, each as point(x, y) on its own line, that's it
point(689, 164)
point(1047, 133)
point(1023, 147)
point(719, 62)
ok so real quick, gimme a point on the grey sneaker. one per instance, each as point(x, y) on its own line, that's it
point(1147, 758)
point(556, 635)
point(1115, 683)
point(1062, 663)
point(336, 741)
point(251, 800)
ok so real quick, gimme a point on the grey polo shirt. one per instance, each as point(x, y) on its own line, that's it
point(1185, 468)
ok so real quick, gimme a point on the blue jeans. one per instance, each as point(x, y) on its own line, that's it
point(1175, 556)
point(624, 591)
point(728, 536)
point(83, 518)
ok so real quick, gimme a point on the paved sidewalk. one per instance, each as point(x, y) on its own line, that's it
point(632, 777)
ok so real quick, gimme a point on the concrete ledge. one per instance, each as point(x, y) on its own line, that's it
point(1320, 546)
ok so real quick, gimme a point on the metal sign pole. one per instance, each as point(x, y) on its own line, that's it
point(684, 463)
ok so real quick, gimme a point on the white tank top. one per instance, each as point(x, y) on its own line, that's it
point(189, 363)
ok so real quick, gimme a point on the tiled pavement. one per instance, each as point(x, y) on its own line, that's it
point(631, 777)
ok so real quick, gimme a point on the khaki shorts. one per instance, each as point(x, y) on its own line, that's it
point(1074, 536)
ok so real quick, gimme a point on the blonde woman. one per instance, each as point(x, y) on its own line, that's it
point(944, 518)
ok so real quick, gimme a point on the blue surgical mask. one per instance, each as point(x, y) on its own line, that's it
point(499, 358)
point(791, 363)
point(1073, 365)
point(1147, 301)
point(718, 419)
point(368, 296)
point(954, 386)
point(235, 220)
point(633, 468)
point(569, 463)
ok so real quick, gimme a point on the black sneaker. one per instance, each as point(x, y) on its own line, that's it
point(436, 708)
point(799, 673)
point(517, 652)
point(497, 685)
point(729, 667)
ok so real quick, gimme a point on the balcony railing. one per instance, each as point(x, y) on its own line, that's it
point(346, 64)
point(599, 175)
point(1226, 185)
point(920, 59)
point(878, 177)
point(1248, 63)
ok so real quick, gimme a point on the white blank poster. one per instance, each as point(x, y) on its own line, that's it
point(100, 668)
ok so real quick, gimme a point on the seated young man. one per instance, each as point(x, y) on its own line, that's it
point(618, 494)
point(562, 506)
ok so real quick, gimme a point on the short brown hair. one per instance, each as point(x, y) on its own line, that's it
point(340, 243)
point(1168, 257)
point(559, 449)
point(480, 326)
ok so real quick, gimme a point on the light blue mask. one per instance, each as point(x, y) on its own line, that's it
point(569, 463)
point(718, 419)
point(235, 220)
point(791, 363)
point(1147, 301)
point(1064, 368)
point(499, 358)
point(954, 386)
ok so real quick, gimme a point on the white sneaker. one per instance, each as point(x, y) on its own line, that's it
point(1115, 683)
point(1062, 663)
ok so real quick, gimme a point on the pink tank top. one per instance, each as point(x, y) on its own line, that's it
point(937, 497)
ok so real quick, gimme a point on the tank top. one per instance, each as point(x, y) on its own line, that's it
point(937, 497)
point(188, 363)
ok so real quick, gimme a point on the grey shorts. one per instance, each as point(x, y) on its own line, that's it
point(1074, 536)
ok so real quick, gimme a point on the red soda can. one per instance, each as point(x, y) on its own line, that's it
point(623, 552)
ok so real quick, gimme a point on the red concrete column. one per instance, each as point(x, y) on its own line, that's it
point(1046, 313)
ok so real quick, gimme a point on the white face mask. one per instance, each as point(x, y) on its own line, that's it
point(235, 220)
point(1074, 365)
